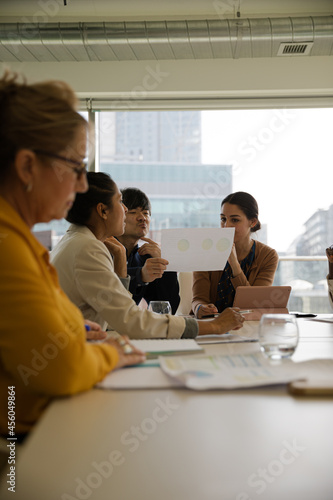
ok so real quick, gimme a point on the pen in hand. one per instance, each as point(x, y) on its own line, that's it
point(94, 331)
point(244, 311)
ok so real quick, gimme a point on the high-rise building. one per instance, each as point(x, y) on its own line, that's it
point(159, 152)
point(182, 195)
point(159, 136)
point(308, 279)
point(318, 234)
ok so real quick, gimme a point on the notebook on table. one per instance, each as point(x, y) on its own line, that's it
point(167, 347)
point(262, 300)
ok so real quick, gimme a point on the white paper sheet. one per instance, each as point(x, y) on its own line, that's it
point(217, 372)
point(250, 370)
point(197, 249)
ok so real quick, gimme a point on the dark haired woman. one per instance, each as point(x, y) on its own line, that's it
point(251, 263)
point(87, 270)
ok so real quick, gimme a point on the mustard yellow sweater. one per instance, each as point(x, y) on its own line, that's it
point(43, 351)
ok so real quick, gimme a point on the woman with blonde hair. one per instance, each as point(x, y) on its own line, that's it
point(43, 348)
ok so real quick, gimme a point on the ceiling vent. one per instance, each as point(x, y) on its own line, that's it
point(295, 49)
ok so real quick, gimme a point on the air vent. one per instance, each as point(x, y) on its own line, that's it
point(295, 49)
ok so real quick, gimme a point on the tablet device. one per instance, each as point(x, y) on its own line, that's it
point(262, 300)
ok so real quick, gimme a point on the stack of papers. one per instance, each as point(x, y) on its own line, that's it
point(250, 370)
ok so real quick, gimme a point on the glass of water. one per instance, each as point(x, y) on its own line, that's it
point(278, 335)
point(160, 306)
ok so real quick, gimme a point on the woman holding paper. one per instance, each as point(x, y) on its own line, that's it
point(251, 263)
point(92, 269)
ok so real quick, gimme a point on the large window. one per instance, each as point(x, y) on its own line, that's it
point(187, 161)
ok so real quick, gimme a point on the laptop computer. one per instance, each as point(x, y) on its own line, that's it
point(262, 300)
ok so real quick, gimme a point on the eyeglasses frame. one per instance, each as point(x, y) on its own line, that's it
point(80, 170)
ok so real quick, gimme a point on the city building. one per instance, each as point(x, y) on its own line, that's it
point(308, 278)
point(162, 136)
point(182, 195)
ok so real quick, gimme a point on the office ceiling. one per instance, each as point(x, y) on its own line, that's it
point(120, 30)
point(109, 10)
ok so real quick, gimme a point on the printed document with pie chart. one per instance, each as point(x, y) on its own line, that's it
point(197, 249)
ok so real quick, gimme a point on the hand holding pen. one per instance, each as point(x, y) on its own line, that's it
point(94, 331)
point(242, 311)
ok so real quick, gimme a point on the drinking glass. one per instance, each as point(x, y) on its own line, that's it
point(160, 306)
point(278, 335)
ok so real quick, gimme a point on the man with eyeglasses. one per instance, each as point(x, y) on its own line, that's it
point(144, 264)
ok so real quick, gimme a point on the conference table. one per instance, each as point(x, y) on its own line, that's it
point(175, 443)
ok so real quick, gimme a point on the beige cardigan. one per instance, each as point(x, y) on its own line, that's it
point(262, 273)
point(87, 276)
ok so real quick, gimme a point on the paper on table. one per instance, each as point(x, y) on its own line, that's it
point(146, 376)
point(231, 372)
point(236, 371)
point(197, 249)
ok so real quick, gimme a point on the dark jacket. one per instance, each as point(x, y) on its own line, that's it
point(165, 288)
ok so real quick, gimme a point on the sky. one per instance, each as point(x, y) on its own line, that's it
point(284, 158)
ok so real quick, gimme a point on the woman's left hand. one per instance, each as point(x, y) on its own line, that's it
point(128, 354)
point(233, 262)
point(118, 251)
point(95, 332)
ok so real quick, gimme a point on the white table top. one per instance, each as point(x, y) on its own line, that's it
point(179, 444)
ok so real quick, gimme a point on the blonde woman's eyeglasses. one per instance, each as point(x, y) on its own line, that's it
point(81, 166)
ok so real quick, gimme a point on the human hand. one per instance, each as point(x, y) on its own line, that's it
point(114, 246)
point(128, 354)
point(118, 252)
point(94, 331)
point(206, 310)
point(233, 261)
point(229, 319)
point(153, 269)
point(329, 254)
point(149, 248)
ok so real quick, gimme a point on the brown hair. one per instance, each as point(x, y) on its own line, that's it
point(35, 116)
point(247, 204)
